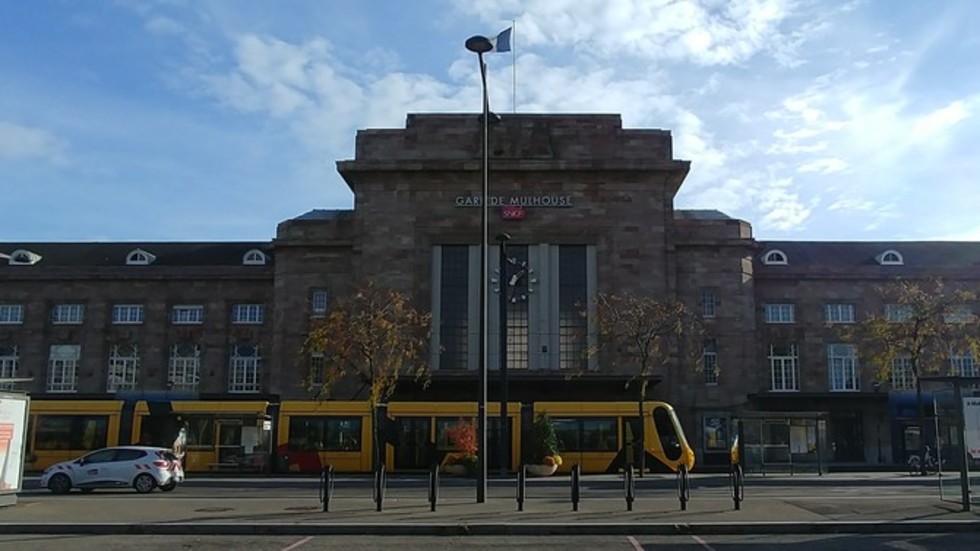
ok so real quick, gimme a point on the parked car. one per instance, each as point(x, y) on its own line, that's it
point(144, 468)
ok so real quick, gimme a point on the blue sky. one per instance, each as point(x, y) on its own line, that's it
point(215, 120)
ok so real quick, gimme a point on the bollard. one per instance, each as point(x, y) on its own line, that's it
point(521, 482)
point(630, 489)
point(576, 481)
point(380, 481)
point(433, 486)
point(683, 487)
point(738, 486)
point(326, 487)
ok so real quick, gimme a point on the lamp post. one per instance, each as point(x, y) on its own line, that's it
point(502, 440)
point(481, 45)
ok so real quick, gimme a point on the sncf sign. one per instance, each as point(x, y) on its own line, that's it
point(512, 212)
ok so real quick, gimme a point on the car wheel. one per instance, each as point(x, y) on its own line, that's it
point(169, 486)
point(87, 490)
point(144, 483)
point(59, 484)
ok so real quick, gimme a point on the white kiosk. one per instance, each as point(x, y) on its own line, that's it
point(14, 408)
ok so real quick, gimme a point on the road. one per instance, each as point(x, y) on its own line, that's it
point(883, 542)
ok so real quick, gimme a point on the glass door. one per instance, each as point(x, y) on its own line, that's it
point(230, 449)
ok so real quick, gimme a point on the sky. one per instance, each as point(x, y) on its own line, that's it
point(214, 120)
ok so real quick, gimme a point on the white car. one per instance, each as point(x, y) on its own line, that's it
point(144, 468)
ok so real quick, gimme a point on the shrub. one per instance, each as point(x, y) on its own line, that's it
point(544, 441)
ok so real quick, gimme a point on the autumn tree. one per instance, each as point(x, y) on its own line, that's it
point(644, 333)
point(924, 325)
point(374, 337)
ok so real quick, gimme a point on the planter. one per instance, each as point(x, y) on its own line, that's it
point(541, 470)
point(454, 470)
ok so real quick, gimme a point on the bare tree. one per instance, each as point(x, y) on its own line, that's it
point(375, 337)
point(925, 324)
point(645, 334)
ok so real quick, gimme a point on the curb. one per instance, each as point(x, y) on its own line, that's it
point(488, 529)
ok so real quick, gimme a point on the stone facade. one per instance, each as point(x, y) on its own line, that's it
point(582, 182)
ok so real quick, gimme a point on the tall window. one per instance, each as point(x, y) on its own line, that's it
point(124, 364)
point(318, 303)
point(316, 368)
point(780, 313)
point(245, 369)
point(8, 364)
point(572, 291)
point(11, 314)
point(453, 308)
point(903, 378)
point(187, 314)
point(127, 314)
point(63, 367)
point(184, 369)
point(843, 366)
point(962, 365)
point(247, 313)
point(709, 361)
point(708, 301)
point(68, 314)
point(839, 313)
point(784, 367)
point(516, 277)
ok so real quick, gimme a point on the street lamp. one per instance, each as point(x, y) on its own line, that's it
point(481, 45)
point(502, 440)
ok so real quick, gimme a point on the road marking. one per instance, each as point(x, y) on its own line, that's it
point(905, 545)
point(636, 545)
point(297, 544)
point(703, 543)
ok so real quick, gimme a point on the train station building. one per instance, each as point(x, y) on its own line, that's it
point(588, 206)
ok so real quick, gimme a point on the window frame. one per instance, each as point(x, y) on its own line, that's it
point(847, 364)
point(242, 368)
point(770, 310)
point(709, 361)
point(788, 367)
point(250, 313)
point(122, 370)
point(65, 314)
point(128, 309)
point(186, 308)
point(67, 369)
point(834, 312)
point(7, 311)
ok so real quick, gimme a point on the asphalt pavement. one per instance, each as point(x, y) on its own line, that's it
point(859, 503)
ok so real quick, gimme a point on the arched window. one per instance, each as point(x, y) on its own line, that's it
point(23, 257)
point(139, 257)
point(254, 257)
point(891, 257)
point(774, 257)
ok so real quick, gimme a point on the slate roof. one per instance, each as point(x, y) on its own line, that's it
point(228, 253)
point(939, 258)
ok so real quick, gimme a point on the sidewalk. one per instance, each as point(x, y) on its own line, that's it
point(856, 503)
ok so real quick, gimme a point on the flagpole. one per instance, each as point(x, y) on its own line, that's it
point(513, 52)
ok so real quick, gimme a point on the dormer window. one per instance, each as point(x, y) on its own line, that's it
point(23, 257)
point(254, 257)
point(890, 257)
point(774, 257)
point(139, 257)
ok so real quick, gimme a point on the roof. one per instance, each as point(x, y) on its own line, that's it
point(115, 253)
point(859, 258)
point(701, 214)
point(325, 214)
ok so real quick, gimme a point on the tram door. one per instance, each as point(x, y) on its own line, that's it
point(631, 439)
point(493, 440)
point(411, 451)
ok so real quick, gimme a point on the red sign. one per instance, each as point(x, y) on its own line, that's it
point(512, 212)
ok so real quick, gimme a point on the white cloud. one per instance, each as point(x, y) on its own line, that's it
point(828, 165)
point(19, 142)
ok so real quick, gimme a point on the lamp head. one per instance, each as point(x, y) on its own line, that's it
point(479, 44)
point(503, 237)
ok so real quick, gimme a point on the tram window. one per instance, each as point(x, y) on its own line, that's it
point(71, 432)
point(666, 429)
point(599, 435)
point(325, 433)
point(567, 431)
point(444, 424)
point(586, 434)
point(200, 431)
